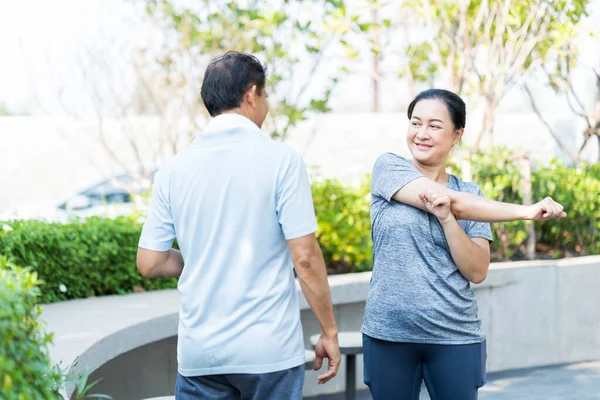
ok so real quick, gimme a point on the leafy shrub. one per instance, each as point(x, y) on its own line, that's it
point(97, 256)
point(26, 371)
point(500, 179)
point(80, 259)
point(344, 225)
point(576, 188)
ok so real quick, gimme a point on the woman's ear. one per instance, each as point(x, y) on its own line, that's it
point(458, 134)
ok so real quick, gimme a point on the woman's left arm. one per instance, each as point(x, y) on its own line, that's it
point(471, 255)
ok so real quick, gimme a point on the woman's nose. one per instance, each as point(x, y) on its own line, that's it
point(422, 133)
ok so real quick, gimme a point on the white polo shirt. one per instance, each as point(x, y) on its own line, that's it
point(232, 199)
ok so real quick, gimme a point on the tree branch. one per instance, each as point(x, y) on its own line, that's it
point(574, 157)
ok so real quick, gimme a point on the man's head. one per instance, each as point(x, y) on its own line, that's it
point(235, 82)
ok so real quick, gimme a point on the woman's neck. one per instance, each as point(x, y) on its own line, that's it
point(434, 172)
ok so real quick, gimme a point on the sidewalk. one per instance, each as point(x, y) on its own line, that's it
point(564, 382)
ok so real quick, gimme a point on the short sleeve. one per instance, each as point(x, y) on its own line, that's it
point(295, 210)
point(390, 174)
point(480, 229)
point(158, 232)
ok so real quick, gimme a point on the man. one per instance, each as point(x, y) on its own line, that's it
point(240, 206)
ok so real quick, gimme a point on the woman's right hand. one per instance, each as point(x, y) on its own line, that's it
point(545, 210)
point(437, 204)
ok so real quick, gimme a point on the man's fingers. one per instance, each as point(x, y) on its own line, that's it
point(318, 363)
point(331, 372)
point(326, 377)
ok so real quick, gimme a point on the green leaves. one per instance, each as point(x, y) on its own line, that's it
point(290, 37)
point(576, 188)
point(344, 225)
point(485, 47)
point(80, 259)
point(97, 256)
point(83, 387)
point(25, 368)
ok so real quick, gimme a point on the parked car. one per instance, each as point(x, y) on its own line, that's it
point(110, 198)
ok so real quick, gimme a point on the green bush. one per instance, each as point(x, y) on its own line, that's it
point(576, 188)
point(344, 225)
point(97, 256)
point(500, 179)
point(80, 259)
point(26, 371)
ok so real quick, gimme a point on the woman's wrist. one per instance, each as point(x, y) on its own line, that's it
point(450, 219)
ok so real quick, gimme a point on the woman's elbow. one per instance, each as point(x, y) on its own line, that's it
point(478, 277)
point(479, 274)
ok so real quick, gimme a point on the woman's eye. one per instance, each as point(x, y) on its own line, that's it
point(435, 127)
point(415, 124)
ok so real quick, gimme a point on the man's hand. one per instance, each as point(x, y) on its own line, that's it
point(327, 347)
point(545, 210)
point(437, 204)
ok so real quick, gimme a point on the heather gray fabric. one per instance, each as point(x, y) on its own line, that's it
point(417, 293)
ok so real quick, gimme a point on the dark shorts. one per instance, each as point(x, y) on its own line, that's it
point(278, 385)
point(395, 370)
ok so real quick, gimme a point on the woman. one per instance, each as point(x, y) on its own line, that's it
point(421, 319)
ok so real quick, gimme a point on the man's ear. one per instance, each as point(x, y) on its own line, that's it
point(251, 96)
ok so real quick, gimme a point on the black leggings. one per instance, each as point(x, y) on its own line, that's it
point(394, 371)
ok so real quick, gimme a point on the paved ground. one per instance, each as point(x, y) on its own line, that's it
point(565, 382)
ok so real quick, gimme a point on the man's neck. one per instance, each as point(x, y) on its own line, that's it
point(238, 111)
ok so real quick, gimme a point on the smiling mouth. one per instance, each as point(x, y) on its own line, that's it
point(423, 146)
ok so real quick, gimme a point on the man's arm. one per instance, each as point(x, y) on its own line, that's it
point(312, 275)
point(154, 264)
point(475, 208)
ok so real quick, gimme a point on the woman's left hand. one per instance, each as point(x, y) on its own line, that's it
point(437, 204)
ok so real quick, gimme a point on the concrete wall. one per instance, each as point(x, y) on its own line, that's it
point(141, 373)
point(535, 313)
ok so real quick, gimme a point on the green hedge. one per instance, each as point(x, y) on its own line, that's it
point(80, 259)
point(576, 188)
point(97, 256)
point(344, 225)
point(26, 371)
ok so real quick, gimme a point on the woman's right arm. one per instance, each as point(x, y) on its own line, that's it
point(475, 208)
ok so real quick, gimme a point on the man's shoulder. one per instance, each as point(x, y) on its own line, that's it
point(278, 150)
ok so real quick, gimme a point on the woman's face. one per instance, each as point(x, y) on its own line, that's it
point(431, 132)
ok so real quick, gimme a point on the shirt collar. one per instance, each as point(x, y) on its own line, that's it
point(225, 129)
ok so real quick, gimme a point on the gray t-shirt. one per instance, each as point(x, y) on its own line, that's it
point(417, 293)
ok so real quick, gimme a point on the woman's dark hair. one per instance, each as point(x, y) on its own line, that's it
point(227, 78)
point(456, 106)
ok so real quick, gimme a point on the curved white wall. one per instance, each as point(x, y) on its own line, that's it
point(535, 313)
